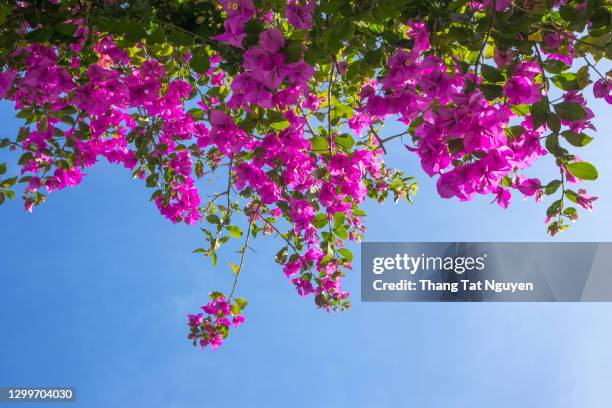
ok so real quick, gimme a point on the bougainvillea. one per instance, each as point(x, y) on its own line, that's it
point(288, 101)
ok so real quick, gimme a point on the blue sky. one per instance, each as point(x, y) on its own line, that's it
point(95, 286)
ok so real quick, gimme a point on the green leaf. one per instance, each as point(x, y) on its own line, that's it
point(319, 144)
point(520, 110)
point(601, 17)
point(25, 158)
point(314, 54)
point(359, 212)
point(293, 51)
point(320, 220)
point(583, 170)
point(552, 187)
point(555, 66)
point(235, 268)
point(553, 122)
point(200, 62)
point(555, 208)
point(341, 232)
point(177, 37)
point(65, 29)
point(216, 295)
point(8, 183)
point(552, 144)
point(213, 219)
point(345, 30)
point(339, 219)
point(491, 91)
point(239, 305)
point(196, 113)
point(234, 231)
point(40, 35)
point(539, 113)
point(373, 57)
point(514, 131)
point(133, 31)
point(345, 141)
point(281, 256)
point(571, 195)
point(571, 111)
point(576, 139)
point(346, 254)
point(5, 9)
point(566, 81)
point(583, 77)
point(570, 211)
point(158, 36)
point(491, 74)
point(151, 181)
point(280, 125)
point(2, 168)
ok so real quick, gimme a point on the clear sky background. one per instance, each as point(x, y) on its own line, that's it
point(95, 286)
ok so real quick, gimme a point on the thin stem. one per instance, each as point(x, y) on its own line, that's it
point(312, 132)
point(242, 256)
point(191, 33)
point(212, 201)
point(329, 108)
point(484, 43)
point(286, 240)
point(562, 195)
point(573, 37)
point(546, 81)
point(594, 68)
point(229, 187)
point(329, 135)
point(381, 142)
point(387, 139)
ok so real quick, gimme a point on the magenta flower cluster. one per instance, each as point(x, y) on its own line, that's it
point(460, 135)
point(129, 107)
point(214, 328)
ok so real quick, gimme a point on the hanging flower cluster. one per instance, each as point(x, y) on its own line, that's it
point(289, 104)
point(214, 328)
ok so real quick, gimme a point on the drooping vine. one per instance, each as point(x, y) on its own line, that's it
point(287, 101)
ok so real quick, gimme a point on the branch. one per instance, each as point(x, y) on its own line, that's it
point(329, 108)
point(388, 139)
point(594, 68)
point(484, 44)
point(541, 63)
point(381, 142)
point(242, 252)
point(286, 241)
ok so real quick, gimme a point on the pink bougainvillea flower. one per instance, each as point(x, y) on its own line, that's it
point(271, 40)
point(584, 200)
point(6, 81)
point(503, 197)
point(503, 58)
point(238, 321)
point(528, 186)
point(299, 13)
point(602, 88)
point(522, 90)
point(240, 10)
point(359, 122)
